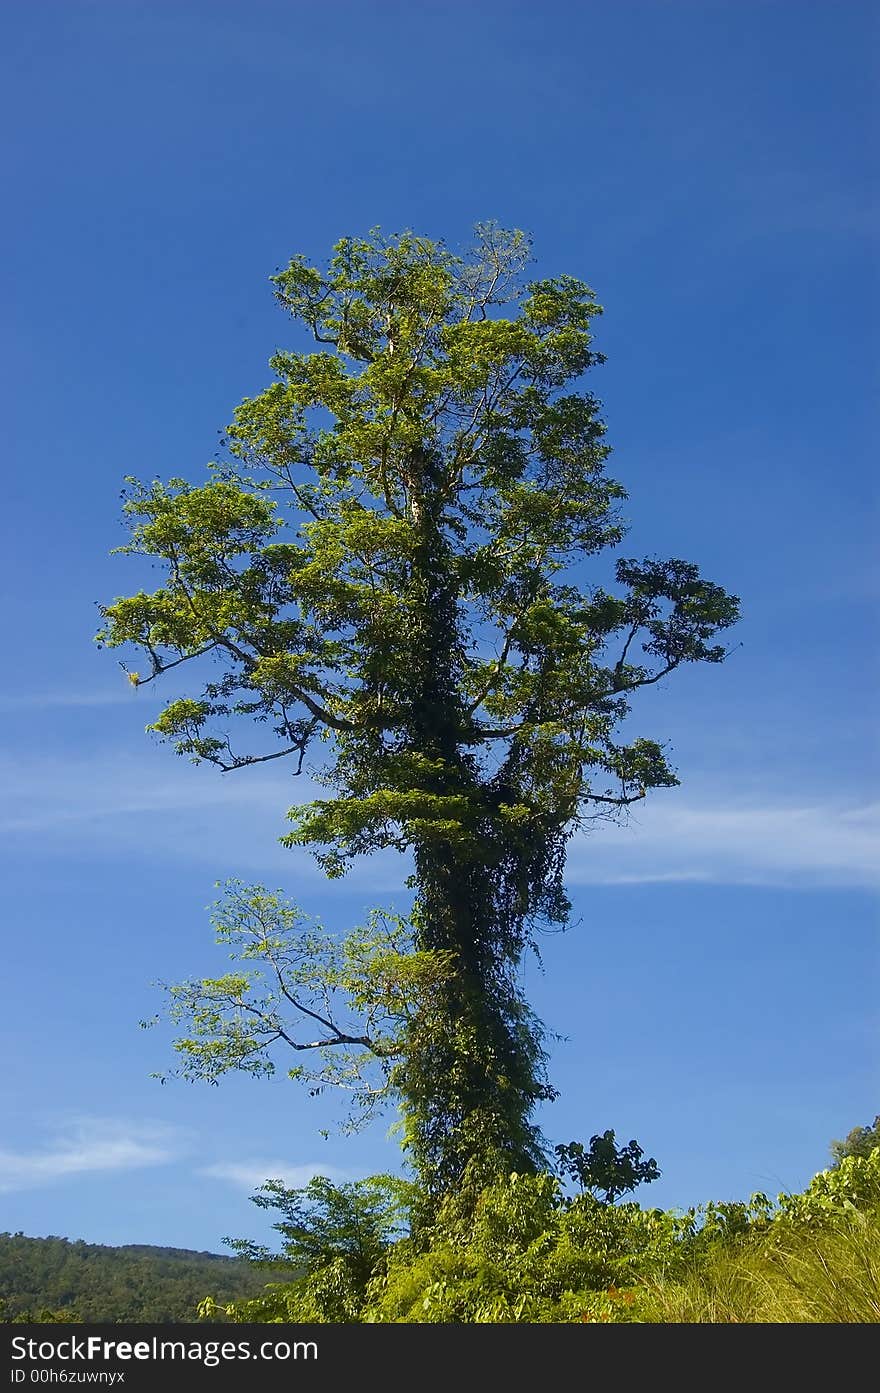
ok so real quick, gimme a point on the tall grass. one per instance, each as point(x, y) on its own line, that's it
point(826, 1276)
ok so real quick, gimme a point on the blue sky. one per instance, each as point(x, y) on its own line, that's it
point(705, 166)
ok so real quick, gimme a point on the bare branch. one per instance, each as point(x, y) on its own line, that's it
point(618, 666)
point(338, 1037)
point(159, 666)
point(497, 733)
point(621, 802)
point(242, 761)
point(619, 687)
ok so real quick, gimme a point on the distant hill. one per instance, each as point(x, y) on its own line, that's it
point(135, 1282)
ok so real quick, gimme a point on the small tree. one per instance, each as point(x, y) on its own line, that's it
point(861, 1141)
point(335, 1237)
point(606, 1171)
point(324, 1222)
point(388, 572)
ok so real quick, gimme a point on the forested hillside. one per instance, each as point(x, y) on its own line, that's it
point(132, 1283)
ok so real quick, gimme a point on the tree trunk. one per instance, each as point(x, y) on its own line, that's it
point(469, 1081)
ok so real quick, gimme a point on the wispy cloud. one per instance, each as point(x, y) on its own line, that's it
point(86, 1146)
point(61, 700)
point(162, 806)
point(804, 844)
point(250, 1175)
point(47, 792)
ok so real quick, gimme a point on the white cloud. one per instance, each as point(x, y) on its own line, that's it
point(252, 1174)
point(86, 1146)
point(805, 844)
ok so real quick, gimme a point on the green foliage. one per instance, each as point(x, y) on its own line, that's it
point(816, 1258)
point(515, 1250)
point(861, 1141)
point(829, 1277)
point(43, 1316)
point(606, 1171)
point(54, 1279)
point(345, 1003)
point(853, 1185)
point(524, 1254)
point(519, 1250)
point(384, 577)
point(335, 1238)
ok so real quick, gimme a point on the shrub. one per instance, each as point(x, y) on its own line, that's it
point(520, 1250)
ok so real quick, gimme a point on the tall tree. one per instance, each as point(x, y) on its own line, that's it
point(389, 563)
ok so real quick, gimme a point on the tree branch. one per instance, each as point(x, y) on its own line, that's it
point(619, 686)
point(242, 761)
point(620, 802)
point(338, 1038)
point(159, 666)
